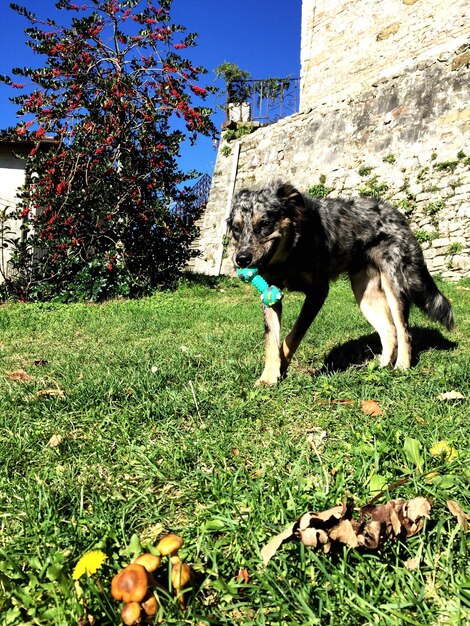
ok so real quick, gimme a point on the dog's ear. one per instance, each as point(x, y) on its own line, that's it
point(291, 200)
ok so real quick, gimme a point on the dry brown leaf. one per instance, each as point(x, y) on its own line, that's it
point(20, 375)
point(55, 441)
point(462, 517)
point(315, 537)
point(344, 532)
point(370, 535)
point(336, 512)
point(371, 407)
point(412, 564)
point(451, 395)
point(345, 402)
point(392, 520)
point(51, 393)
point(417, 508)
point(243, 576)
point(276, 542)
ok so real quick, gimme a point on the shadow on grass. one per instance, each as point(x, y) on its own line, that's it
point(357, 352)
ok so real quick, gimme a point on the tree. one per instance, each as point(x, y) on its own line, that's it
point(104, 206)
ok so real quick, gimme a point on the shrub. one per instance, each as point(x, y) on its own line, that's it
point(105, 206)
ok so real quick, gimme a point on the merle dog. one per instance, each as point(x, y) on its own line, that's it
point(302, 243)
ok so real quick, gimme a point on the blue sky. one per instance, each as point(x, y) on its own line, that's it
point(260, 36)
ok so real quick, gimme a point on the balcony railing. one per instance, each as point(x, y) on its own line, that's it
point(264, 101)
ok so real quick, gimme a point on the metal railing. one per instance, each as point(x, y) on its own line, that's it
point(264, 101)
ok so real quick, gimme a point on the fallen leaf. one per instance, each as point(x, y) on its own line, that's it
point(412, 564)
point(394, 519)
point(243, 575)
point(451, 395)
point(345, 402)
point(275, 543)
point(371, 407)
point(417, 508)
point(51, 393)
point(461, 288)
point(19, 375)
point(462, 517)
point(370, 536)
point(345, 533)
point(316, 436)
point(55, 441)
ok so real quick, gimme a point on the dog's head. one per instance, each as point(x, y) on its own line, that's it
point(262, 223)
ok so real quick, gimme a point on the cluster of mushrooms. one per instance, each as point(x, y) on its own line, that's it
point(134, 585)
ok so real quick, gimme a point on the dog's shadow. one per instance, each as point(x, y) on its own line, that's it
point(357, 352)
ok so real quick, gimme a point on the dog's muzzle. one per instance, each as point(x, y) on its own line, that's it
point(243, 258)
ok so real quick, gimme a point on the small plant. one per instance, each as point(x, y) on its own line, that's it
point(424, 236)
point(365, 170)
point(461, 155)
point(390, 158)
point(449, 166)
point(373, 188)
point(422, 174)
point(239, 132)
point(455, 248)
point(318, 191)
point(434, 207)
point(406, 205)
point(226, 151)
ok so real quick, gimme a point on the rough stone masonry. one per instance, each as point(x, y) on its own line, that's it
point(384, 111)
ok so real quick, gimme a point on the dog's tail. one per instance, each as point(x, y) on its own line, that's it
point(429, 299)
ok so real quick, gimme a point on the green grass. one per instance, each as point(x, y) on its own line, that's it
point(162, 430)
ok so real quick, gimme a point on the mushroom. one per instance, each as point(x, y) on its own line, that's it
point(169, 544)
point(180, 576)
point(149, 561)
point(131, 613)
point(131, 584)
point(180, 573)
point(150, 605)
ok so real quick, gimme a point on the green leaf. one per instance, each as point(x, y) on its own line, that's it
point(134, 548)
point(412, 449)
point(377, 483)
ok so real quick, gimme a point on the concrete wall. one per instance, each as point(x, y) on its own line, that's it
point(11, 177)
point(389, 116)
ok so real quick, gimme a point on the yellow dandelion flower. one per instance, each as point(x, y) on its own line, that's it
point(89, 563)
point(444, 450)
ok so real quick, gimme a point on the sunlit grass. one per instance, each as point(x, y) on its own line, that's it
point(158, 427)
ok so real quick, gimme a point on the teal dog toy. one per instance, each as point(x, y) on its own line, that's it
point(269, 294)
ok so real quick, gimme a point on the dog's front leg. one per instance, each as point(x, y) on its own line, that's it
point(272, 338)
point(313, 302)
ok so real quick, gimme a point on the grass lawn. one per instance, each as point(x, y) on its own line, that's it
point(140, 417)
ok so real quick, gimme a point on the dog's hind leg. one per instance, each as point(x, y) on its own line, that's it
point(313, 302)
point(399, 308)
point(372, 301)
point(272, 340)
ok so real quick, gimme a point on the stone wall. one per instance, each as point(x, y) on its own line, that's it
point(401, 134)
point(347, 45)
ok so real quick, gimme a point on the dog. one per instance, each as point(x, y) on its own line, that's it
point(302, 243)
